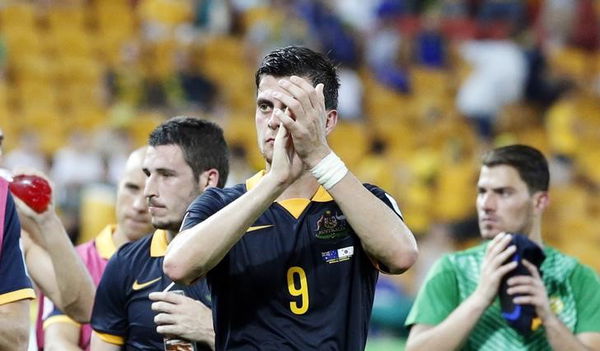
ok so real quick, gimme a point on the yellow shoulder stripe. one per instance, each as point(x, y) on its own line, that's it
point(60, 319)
point(111, 339)
point(22, 294)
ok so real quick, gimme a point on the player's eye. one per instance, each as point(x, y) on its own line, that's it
point(264, 107)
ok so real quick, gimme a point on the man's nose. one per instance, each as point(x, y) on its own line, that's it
point(274, 121)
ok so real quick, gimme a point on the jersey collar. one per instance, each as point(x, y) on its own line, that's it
point(104, 242)
point(158, 246)
point(294, 206)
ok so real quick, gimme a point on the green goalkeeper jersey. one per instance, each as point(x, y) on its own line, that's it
point(571, 286)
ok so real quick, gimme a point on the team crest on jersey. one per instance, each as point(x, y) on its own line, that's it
point(331, 226)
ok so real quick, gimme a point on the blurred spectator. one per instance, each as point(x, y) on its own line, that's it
point(239, 167)
point(383, 49)
point(430, 50)
point(336, 40)
point(391, 305)
point(75, 165)
point(506, 11)
point(27, 154)
point(555, 22)
point(499, 71)
point(114, 153)
point(215, 16)
point(281, 26)
point(586, 30)
point(350, 99)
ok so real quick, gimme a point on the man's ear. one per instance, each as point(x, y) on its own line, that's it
point(541, 200)
point(208, 178)
point(331, 120)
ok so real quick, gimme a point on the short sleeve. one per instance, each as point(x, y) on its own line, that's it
point(203, 207)
point(109, 315)
point(57, 316)
point(438, 296)
point(586, 284)
point(385, 197)
point(14, 282)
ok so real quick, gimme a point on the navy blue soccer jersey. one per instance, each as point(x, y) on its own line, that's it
point(298, 279)
point(14, 282)
point(122, 313)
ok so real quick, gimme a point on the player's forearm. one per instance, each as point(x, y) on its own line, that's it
point(561, 338)
point(452, 333)
point(73, 280)
point(60, 345)
point(383, 234)
point(195, 251)
point(14, 325)
point(61, 337)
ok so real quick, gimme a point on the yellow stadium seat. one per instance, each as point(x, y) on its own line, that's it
point(350, 142)
point(17, 14)
point(97, 209)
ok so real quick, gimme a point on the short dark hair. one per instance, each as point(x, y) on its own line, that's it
point(302, 62)
point(528, 161)
point(201, 141)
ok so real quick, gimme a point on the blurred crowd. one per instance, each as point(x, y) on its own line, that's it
point(426, 85)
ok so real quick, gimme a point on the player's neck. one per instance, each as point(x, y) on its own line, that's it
point(535, 234)
point(119, 237)
point(303, 188)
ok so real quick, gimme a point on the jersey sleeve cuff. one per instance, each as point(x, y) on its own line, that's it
point(110, 338)
point(22, 294)
point(59, 319)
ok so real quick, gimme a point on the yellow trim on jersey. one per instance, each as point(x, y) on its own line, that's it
point(294, 206)
point(22, 294)
point(59, 319)
point(111, 339)
point(158, 247)
point(258, 227)
point(322, 195)
point(252, 181)
point(104, 242)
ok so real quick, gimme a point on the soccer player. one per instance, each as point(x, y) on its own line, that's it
point(15, 287)
point(133, 222)
point(51, 259)
point(457, 305)
point(292, 255)
point(185, 156)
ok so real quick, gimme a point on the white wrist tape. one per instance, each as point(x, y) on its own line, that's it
point(329, 171)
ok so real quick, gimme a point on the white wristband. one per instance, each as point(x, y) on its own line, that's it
point(329, 171)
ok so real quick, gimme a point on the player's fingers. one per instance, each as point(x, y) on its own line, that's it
point(498, 259)
point(521, 289)
point(168, 329)
point(286, 120)
point(166, 296)
point(525, 300)
point(532, 269)
point(162, 306)
point(521, 280)
point(497, 246)
point(299, 92)
point(502, 270)
point(164, 318)
point(294, 105)
point(312, 92)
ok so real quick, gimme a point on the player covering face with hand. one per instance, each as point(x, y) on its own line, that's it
point(287, 253)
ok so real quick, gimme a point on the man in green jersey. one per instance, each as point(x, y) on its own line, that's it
point(458, 308)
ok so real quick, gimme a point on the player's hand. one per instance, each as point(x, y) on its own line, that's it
point(182, 316)
point(286, 165)
point(532, 290)
point(307, 119)
point(493, 269)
